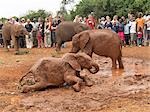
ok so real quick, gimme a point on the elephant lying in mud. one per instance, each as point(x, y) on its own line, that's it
point(102, 42)
point(13, 32)
point(66, 30)
point(57, 71)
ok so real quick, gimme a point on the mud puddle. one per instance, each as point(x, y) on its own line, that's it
point(109, 86)
point(125, 90)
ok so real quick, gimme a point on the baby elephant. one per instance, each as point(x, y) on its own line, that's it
point(57, 71)
point(101, 42)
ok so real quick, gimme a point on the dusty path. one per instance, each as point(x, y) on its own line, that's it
point(113, 91)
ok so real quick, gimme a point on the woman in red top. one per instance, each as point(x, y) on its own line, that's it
point(91, 22)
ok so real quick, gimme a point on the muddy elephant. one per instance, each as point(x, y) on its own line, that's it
point(102, 42)
point(57, 71)
point(66, 30)
point(13, 32)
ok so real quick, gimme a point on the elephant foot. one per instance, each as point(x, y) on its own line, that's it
point(89, 83)
point(121, 67)
point(114, 68)
point(17, 53)
point(76, 88)
point(21, 52)
point(24, 89)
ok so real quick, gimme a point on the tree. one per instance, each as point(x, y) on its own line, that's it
point(3, 20)
point(36, 14)
point(63, 11)
point(110, 7)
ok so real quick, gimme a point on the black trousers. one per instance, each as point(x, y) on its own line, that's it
point(127, 38)
point(1, 39)
point(53, 39)
point(22, 42)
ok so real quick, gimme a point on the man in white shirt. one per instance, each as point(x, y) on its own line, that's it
point(133, 37)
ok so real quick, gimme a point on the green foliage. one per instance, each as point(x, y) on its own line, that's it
point(3, 19)
point(110, 7)
point(36, 14)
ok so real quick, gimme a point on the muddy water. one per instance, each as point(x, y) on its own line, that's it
point(131, 66)
point(125, 90)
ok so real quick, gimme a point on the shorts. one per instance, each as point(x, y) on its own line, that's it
point(133, 36)
point(121, 35)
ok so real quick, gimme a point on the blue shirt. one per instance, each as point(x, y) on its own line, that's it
point(127, 29)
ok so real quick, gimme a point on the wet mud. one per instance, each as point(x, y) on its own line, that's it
point(125, 90)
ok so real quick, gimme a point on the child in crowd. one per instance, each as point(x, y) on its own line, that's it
point(127, 32)
point(39, 38)
point(139, 37)
point(121, 30)
point(40, 34)
point(115, 27)
point(108, 24)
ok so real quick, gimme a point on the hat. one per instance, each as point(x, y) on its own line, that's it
point(22, 19)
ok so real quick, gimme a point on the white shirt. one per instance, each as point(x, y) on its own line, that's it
point(133, 26)
point(35, 25)
point(148, 25)
point(17, 23)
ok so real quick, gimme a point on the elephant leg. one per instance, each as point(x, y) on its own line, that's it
point(87, 81)
point(16, 43)
point(58, 47)
point(114, 64)
point(59, 44)
point(35, 87)
point(74, 79)
point(120, 63)
point(6, 45)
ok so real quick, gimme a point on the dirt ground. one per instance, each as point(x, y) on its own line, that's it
point(125, 90)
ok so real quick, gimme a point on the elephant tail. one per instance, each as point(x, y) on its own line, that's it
point(121, 48)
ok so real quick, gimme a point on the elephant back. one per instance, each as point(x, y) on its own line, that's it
point(66, 30)
point(6, 31)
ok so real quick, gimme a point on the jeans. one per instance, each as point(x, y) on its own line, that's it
point(139, 41)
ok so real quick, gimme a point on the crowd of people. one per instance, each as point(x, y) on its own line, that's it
point(132, 31)
point(41, 32)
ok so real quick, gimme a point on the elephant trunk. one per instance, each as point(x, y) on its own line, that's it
point(74, 50)
point(96, 68)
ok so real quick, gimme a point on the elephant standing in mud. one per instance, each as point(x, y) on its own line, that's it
point(57, 71)
point(66, 30)
point(13, 32)
point(102, 42)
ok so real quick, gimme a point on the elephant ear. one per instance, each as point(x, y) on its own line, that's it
point(71, 59)
point(16, 30)
point(84, 39)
